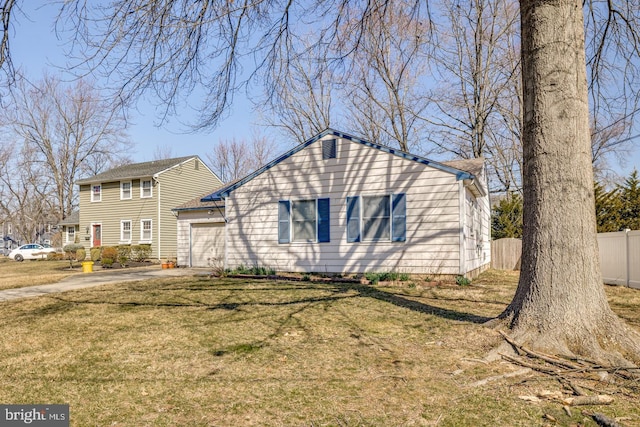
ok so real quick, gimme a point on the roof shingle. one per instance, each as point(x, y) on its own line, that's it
point(135, 170)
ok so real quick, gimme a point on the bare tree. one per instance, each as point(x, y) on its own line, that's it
point(64, 128)
point(26, 192)
point(162, 152)
point(299, 94)
point(478, 78)
point(387, 90)
point(233, 159)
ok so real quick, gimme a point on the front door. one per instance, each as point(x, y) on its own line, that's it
point(97, 235)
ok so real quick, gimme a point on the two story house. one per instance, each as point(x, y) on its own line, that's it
point(132, 204)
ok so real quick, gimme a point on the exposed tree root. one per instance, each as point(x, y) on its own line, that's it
point(577, 376)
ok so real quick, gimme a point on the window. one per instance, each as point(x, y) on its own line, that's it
point(9, 229)
point(96, 192)
point(377, 218)
point(125, 231)
point(329, 150)
point(146, 188)
point(145, 230)
point(303, 221)
point(71, 233)
point(125, 190)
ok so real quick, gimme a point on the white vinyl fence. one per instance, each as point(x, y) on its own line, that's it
point(620, 258)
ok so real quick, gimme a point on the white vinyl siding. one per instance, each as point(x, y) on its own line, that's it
point(432, 217)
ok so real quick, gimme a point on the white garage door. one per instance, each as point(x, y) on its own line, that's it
point(207, 244)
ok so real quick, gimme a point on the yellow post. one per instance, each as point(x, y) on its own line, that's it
point(87, 266)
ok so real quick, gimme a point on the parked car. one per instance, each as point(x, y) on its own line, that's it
point(31, 251)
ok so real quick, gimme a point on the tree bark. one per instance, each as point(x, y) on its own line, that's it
point(560, 305)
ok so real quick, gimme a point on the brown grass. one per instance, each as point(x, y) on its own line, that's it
point(229, 352)
point(32, 273)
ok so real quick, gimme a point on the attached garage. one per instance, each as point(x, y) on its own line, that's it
point(207, 244)
point(201, 234)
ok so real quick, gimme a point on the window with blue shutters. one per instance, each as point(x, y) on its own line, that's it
point(377, 218)
point(304, 221)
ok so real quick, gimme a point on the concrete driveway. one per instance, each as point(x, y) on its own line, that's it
point(103, 277)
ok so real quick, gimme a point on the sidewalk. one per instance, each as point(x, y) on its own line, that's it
point(103, 277)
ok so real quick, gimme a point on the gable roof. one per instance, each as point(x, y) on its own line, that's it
point(198, 204)
point(224, 191)
point(135, 170)
point(72, 219)
point(473, 166)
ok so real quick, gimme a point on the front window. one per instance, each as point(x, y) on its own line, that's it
point(377, 218)
point(146, 188)
point(96, 192)
point(125, 231)
point(125, 190)
point(71, 234)
point(303, 220)
point(376, 223)
point(145, 230)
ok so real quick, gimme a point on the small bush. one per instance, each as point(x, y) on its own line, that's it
point(55, 256)
point(306, 277)
point(140, 253)
point(70, 252)
point(255, 270)
point(81, 254)
point(109, 255)
point(463, 281)
point(404, 277)
point(124, 254)
point(94, 253)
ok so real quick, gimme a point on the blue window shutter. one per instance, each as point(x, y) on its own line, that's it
point(284, 212)
point(324, 231)
point(399, 212)
point(353, 219)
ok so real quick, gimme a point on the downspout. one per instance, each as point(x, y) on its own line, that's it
point(155, 178)
point(462, 213)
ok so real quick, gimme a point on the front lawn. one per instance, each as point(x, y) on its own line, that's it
point(233, 352)
point(15, 274)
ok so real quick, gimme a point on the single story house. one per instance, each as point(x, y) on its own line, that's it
point(340, 204)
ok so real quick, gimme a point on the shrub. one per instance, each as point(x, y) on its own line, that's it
point(55, 256)
point(81, 254)
point(140, 253)
point(109, 255)
point(462, 281)
point(70, 251)
point(95, 253)
point(124, 254)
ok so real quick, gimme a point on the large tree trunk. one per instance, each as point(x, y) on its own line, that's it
point(560, 305)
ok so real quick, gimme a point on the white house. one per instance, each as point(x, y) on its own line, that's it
point(340, 204)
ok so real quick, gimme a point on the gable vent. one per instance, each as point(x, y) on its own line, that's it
point(329, 149)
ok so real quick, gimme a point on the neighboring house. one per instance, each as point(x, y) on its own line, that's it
point(132, 204)
point(70, 228)
point(340, 204)
point(9, 239)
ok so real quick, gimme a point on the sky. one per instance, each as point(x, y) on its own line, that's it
point(36, 49)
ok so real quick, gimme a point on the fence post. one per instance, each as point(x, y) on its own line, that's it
point(626, 239)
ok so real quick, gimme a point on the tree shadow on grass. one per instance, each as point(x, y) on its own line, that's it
point(337, 291)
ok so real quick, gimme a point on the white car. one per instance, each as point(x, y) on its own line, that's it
point(31, 251)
